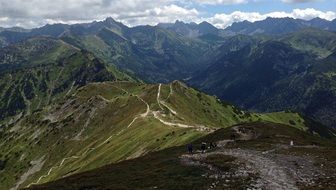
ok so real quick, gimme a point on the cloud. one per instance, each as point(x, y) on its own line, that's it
point(299, 1)
point(164, 14)
point(3, 19)
point(225, 20)
point(34, 13)
point(220, 2)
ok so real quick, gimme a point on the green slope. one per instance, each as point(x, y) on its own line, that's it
point(62, 117)
point(166, 169)
point(41, 70)
point(108, 122)
point(319, 42)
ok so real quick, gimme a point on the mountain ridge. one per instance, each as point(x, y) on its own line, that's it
point(278, 70)
point(38, 70)
point(113, 120)
point(69, 109)
point(185, 29)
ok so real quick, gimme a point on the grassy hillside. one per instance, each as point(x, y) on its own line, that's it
point(173, 168)
point(108, 122)
point(39, 71)
point(319, 42)
point(64, 111)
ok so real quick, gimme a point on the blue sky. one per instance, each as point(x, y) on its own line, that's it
point(221, 13)
point(266, 6)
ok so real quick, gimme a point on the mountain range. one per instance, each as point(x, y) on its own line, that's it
point(279, 26)
point(290, 73)
point(76, 114)
point(269, 26)
point(195, 52)
point(77, 100)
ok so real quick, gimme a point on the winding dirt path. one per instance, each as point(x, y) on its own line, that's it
point(158, 97)
point(157, 115)
point(147, 113)
point(160, 102)
point(170, 91)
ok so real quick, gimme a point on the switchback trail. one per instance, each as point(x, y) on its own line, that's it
point(157, 114)
point(147, 113)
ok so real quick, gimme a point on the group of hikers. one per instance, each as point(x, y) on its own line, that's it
point(204, 146)
point(213, 145)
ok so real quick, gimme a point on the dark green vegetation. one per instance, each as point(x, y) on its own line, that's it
point(160, 170)
point(166, 169)
point(65, 108)
point(279, 26)
point(295, 72)
point(319, 43)
point(152, 53)
point(270, 65)
point(108, 122)
point(39, 71)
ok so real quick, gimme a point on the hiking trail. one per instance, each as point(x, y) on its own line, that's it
point(274, 171)
point(147, 113)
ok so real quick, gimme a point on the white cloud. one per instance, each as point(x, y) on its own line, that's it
point(225, 20)
point(33, 13)
point(299, 1)
point(223, 2)
point(168, 13)
point(3, 19)
point(312, 13)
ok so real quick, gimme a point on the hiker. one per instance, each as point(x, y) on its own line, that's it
point(190, 148)
point(212, 145)
point(203, 147)
point(291, 143)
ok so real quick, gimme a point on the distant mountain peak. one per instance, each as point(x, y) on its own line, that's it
point(191, 29)
point(110, 20)
point(205, 23)
point(193, 23)
point(317, 19)
point(178, 22)
point(278, 26)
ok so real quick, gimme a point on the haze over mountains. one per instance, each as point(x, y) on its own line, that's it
point(269, 26)
point(78, 97)
point(267, 55)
